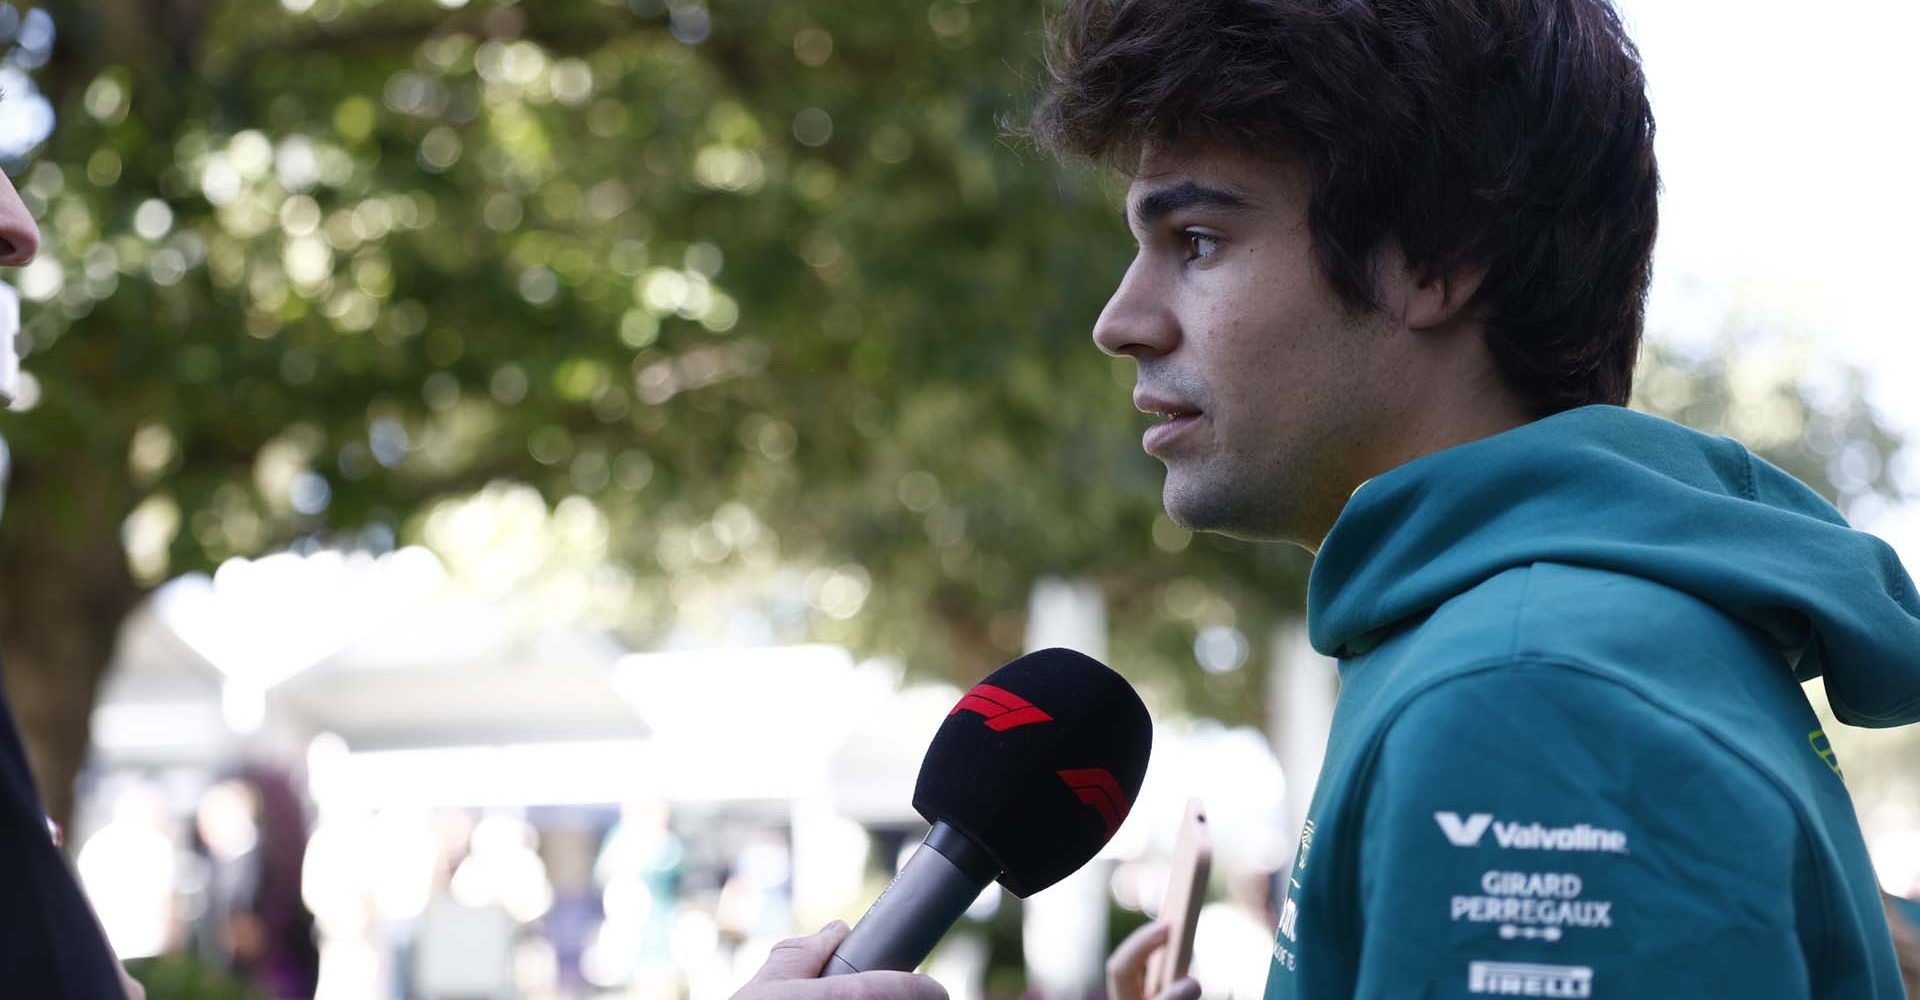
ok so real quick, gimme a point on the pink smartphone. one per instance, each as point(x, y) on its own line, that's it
point(1186, 890)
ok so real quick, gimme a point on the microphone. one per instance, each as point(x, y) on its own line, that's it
point(1029, 776)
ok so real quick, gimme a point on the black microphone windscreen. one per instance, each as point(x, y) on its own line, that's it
point(1038, 764)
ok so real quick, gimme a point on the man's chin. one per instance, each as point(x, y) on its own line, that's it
point(1196, 507)
point(1212, 509)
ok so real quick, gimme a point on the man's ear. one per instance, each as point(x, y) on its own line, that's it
point(1435, 301)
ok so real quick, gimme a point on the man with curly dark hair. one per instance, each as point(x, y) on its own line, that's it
point(1393, 260)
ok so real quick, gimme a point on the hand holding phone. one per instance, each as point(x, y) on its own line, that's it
point(1126, 969)
point(1180, 911)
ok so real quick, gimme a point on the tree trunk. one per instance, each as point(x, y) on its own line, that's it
point(65, 589)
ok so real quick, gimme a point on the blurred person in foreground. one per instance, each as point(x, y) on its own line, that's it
point(51, 945)
point(1388, 297)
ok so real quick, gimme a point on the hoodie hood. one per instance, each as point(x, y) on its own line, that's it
point(1608, 488)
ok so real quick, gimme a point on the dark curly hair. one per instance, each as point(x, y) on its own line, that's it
point(1512, 136)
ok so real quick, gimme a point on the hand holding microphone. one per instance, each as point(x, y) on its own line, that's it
point(793, 969)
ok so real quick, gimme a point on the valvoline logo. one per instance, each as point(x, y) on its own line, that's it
point(1823, 749)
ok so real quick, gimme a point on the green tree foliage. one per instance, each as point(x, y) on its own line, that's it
point(763, 283)
point(186, 977)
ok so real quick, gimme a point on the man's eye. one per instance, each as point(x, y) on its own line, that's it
point(1198, 245)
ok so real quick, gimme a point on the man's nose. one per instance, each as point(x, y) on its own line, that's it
point(1137, 321)
point(19, 237)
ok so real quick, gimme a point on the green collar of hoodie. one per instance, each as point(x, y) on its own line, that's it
point(1608, 488)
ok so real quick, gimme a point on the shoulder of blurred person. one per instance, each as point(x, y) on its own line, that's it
point(51, 945)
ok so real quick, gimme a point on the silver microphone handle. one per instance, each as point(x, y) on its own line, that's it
point(943, 878)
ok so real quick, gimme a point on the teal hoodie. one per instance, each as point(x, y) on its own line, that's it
point(1571, 756)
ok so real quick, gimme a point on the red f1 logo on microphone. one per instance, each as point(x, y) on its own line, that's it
point(1096, 787)
point(1002, 709)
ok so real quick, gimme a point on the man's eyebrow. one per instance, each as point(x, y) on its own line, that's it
point(1186, 194)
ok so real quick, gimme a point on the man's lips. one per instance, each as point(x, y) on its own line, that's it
point(1176, 418)
point(1163, 406)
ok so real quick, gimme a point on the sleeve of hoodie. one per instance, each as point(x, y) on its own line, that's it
point(1535, 830)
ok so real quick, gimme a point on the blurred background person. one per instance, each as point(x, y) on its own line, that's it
point(570, 849)
point(639, 872)
point(255, 922)
point(470, 942)
point(131, 871)
point(754, 908)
